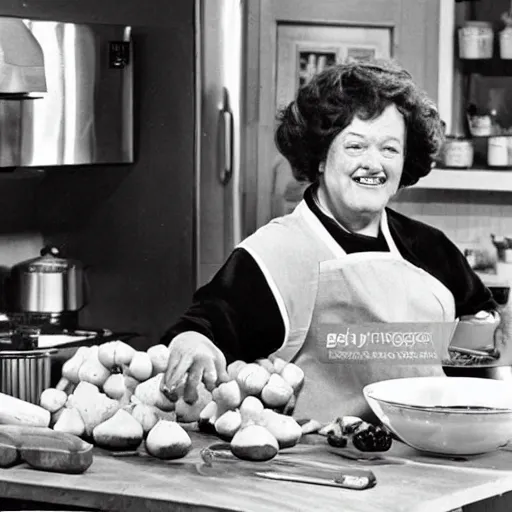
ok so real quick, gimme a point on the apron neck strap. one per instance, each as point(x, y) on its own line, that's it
point(319, 229)
point(384, 226)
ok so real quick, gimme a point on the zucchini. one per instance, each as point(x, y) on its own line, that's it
point(14, 411)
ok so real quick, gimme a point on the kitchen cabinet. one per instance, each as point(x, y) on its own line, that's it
point(295, 30)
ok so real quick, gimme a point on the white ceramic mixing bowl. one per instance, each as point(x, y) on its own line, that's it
point(445, 415)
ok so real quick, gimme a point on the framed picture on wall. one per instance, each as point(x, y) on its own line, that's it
point(313, 60)
point(304, 50)
point(360, 53)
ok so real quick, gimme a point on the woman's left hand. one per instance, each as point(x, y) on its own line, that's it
point(503, 335)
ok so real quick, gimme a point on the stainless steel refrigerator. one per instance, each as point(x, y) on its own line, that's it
point(220, 131)
point(242, 181)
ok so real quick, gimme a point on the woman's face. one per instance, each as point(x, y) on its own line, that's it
point(364, 165)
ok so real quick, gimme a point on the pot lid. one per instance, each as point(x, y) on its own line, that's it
point(50, 261)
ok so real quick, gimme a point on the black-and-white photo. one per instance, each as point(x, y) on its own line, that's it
point(256, 255)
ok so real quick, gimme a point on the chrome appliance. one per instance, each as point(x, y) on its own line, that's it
point(69, 96)
point(48, 289)
point(48, 284)
point(221, 32)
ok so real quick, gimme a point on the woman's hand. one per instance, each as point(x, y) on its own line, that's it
point(193, 358)
point(503, 335)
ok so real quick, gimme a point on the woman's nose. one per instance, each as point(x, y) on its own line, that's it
point(371, 160)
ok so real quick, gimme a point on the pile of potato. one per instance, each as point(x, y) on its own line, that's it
point(249, 410)
point(110, 394)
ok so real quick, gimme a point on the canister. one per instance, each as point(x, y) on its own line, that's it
point(458, 152)
point(476, 40)
point(25, 374)
point(47, 284)
point(480, 126)
point(497, 151)
point(506, 43)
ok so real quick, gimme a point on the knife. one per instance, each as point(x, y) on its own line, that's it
point(357, 480)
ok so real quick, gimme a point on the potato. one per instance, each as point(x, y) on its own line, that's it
point(252, 378)
point(52, 399)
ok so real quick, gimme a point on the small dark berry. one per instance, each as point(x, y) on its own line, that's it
point(372, 439)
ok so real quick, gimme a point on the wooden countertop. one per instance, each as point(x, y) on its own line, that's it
point(413, 483)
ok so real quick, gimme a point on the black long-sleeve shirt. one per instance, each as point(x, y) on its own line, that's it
point(239, 313)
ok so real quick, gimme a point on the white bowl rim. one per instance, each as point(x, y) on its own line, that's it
point(445, 409)
point(369, 389)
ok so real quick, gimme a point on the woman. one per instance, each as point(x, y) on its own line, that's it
point(357, 132)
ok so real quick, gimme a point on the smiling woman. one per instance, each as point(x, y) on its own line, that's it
point(356, 133)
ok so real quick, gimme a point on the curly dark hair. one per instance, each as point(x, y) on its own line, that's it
point(328, 103)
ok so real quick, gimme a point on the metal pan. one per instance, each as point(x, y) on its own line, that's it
point(489, 371)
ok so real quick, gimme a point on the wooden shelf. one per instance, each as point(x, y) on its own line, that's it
point(470, 179)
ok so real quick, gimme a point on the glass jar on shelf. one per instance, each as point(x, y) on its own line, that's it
point(476, 40)
point(481, 122)
point(506, 43)
point(497, 151)
point(505, 35)
point(458, 152)
point(480, 125)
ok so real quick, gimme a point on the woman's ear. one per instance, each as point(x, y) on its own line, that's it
point(321, 167)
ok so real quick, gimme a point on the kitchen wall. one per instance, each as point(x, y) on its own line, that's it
point(464, 216)
point(132, 225)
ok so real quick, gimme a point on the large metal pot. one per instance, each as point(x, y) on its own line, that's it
point(47, 284)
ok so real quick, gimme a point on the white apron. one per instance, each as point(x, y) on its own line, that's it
point(316, 283)
point(362, 288)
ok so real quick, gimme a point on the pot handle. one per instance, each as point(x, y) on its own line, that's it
point(51, 250)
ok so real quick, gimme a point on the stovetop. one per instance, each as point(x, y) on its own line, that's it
point(32, 331)
point(30, 338)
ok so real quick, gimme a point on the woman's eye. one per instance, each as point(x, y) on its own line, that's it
point(354, 146)
point(390, 149)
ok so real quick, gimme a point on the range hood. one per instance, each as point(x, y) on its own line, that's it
point(82, 75)
point(22, 72)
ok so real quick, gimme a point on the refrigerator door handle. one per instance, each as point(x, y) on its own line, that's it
point(226, 169)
